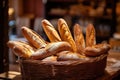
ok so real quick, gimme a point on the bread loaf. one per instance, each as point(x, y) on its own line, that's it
point(51, 49)
point(11, 44)
point(50, 58)
point(50, 31)
point(35, 39)
point(22, 51)
point(90, 35)
point(62, 47)
point(79, 38)
point(66, 34)
point(97, 50)
point(68, 55)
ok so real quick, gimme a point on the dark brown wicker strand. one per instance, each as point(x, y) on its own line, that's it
point(63, 70)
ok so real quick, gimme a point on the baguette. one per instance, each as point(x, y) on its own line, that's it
point(50, 58)
point(35, 39)
point(79, 38)
point(22, 51)
point(66, 34)
point(51, 49)
point(68, 55)
point(90, 35)
point(50, 31)
point(11, 44)
point(97, 50)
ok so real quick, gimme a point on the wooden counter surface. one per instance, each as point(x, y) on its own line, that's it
point(113, 66)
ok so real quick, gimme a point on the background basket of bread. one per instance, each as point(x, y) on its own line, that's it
point(63, 57)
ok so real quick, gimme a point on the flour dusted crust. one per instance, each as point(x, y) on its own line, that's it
point(50, 31)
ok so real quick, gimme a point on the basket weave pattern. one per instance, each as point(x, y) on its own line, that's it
point(63, 70)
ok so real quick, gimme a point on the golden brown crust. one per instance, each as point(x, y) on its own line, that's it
point(90, 35)
point(51, 49)
point(68, 55)
point(50, 58)
point(22, 51)
point(97, 50)
point(66, 34)
point(79, 38)
point(50, 31)
point(11, 44)
point(35, 39)
point(65, 48)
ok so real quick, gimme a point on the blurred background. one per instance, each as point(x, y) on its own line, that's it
point(103, 14)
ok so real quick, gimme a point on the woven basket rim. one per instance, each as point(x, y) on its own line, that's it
point(69, 62)
point(54, 70)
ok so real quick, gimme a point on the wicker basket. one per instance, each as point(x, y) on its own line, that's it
point(63, 70)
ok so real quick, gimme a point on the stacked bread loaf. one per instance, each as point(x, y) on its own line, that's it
point(62, 45)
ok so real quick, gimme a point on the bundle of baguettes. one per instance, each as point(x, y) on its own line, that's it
point(62, 45)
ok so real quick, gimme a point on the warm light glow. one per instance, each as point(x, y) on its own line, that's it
point(10, 11)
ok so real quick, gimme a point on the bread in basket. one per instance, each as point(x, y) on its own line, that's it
point(64, 57)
